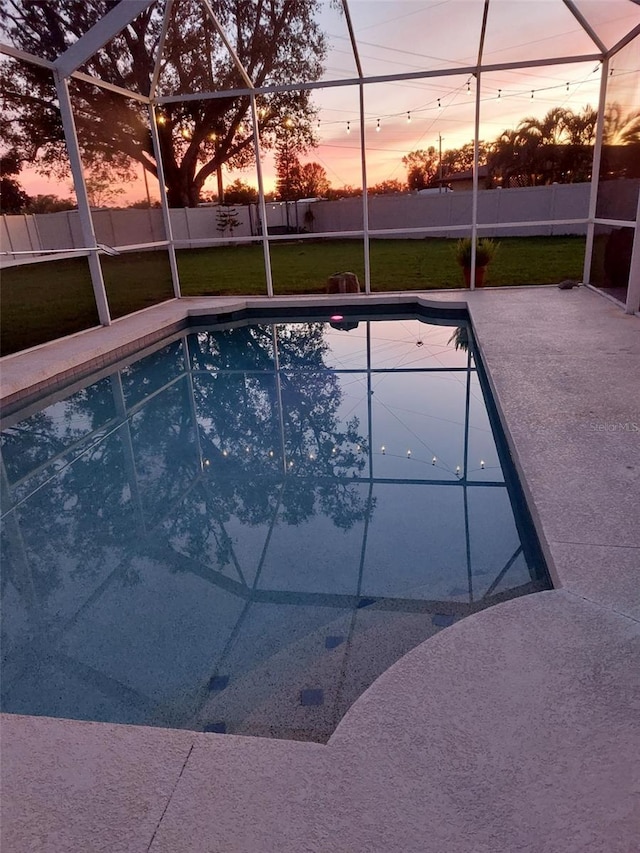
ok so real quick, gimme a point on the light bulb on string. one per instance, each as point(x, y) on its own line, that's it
point(567, 87)
point(469, 87)
point(408, 117)
point(532, 94)
point(348, 127)
point(378, 126)
point(434, 460)
point(499, 93)
point(439, 104)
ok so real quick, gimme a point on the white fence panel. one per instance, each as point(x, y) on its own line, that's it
point(55, 229)
point(132, 227)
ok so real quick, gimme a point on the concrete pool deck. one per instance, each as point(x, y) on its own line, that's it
point(515, 729)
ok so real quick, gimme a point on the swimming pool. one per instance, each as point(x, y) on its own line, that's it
point(240, 531)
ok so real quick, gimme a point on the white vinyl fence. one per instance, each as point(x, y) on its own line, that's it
point(128, 230)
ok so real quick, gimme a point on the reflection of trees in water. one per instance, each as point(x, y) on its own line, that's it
point(256, 425)
point(116, 493)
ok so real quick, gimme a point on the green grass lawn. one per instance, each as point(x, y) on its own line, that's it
point(40, 302)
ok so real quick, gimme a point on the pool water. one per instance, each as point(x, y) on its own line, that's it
point(240, 531)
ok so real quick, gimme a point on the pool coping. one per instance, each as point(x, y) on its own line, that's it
point(561, 365)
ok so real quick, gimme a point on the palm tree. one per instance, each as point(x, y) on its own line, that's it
point(621, 129)
point(550, 130)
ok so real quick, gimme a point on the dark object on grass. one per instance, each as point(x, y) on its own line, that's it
point(343, 282)
point(568, 283)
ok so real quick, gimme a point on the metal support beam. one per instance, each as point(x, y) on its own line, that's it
point(635, 32)
point(633, 290)
point(236, 59)
point(166, 215)
point(365, 198)
point(352, 37)
point(261, 200)
point(158, 63)
point(586, 26)
point(476, 137)
point(595, 173)
point(464, 71)
point(10, 50)
point(110, 87)
point(84, 209)
point(106, 28)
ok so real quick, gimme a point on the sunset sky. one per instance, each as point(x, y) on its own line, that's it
point(400, 37)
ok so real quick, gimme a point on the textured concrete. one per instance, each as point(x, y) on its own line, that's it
point(72, 786)
point(516, 729)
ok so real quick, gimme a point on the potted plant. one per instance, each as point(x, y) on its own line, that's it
point(485, 252)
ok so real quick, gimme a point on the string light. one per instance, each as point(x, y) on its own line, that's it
point(482, 463)
point(378, 126)
point(383, 450)
point(161, 119)
point(457, 470)
point(434, 460)
point(408, 454)
point(410, 114)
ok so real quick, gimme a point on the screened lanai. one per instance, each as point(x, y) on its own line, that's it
point(186, 96)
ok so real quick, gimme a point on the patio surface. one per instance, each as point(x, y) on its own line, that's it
point(516, 729)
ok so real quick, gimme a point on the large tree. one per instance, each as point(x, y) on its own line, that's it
point(275, 41)
point(422, 167)
point(13, 199)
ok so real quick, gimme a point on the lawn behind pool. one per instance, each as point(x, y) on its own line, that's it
point(40, 302)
